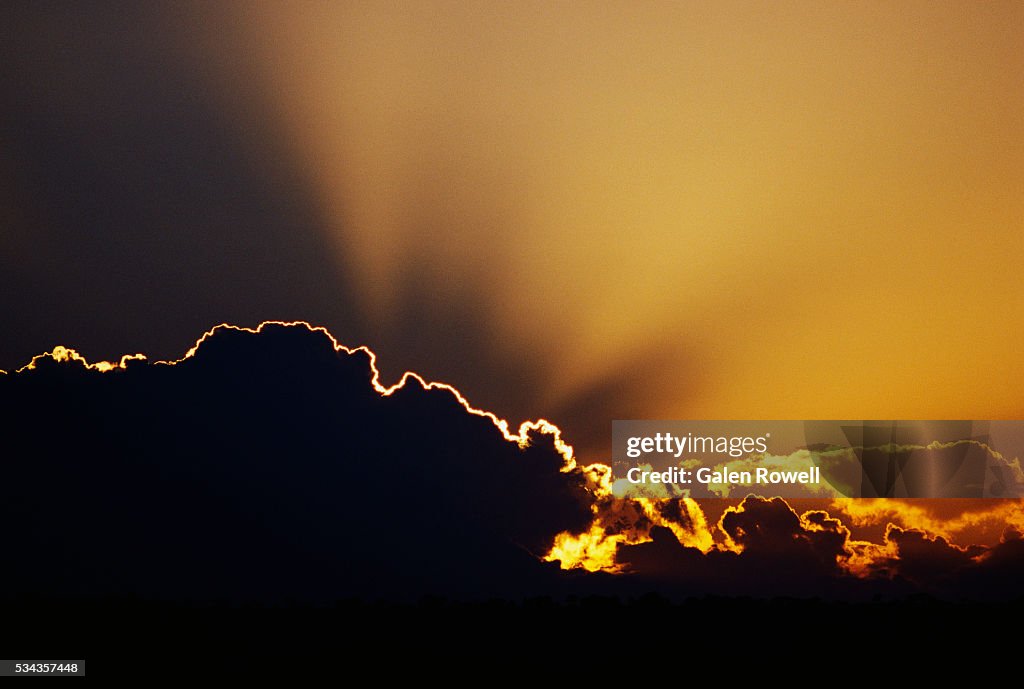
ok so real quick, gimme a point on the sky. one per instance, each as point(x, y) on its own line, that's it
point(749, 210)
point(671, 210)
point(582, 213)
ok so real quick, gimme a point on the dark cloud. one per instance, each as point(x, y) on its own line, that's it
point(775, 552)
point(974, 572)
point(267, 465)
point(771, 528)
point(925, 559)
point(998, 572)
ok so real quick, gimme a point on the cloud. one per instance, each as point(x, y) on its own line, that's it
point(272, 462)
point(768, 548)
point(275, 463)
point(978, 515)
point(925, 559)
point(771, 527)
point(771, 551)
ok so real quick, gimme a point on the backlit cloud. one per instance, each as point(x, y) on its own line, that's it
point(274, 460)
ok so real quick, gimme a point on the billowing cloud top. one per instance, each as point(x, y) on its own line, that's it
point(268, 462)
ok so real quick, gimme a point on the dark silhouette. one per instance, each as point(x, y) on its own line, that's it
point(267, 467)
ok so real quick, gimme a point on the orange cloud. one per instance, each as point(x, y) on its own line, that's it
point(919, 514)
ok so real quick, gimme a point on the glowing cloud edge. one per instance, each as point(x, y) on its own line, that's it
point(598, 475)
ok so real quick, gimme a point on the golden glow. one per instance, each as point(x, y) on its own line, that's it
point(592, 550)
point(755, 209)
point(740, 209)
point(865, 556)
point(915, 514)
point(595, 548)
point(63, 354)
point(698, 536)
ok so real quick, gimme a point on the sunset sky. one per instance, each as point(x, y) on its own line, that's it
point(694, 210)
point(749, 210)
point(581, 212)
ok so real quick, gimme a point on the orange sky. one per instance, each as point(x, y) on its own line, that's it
point(762, 210)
